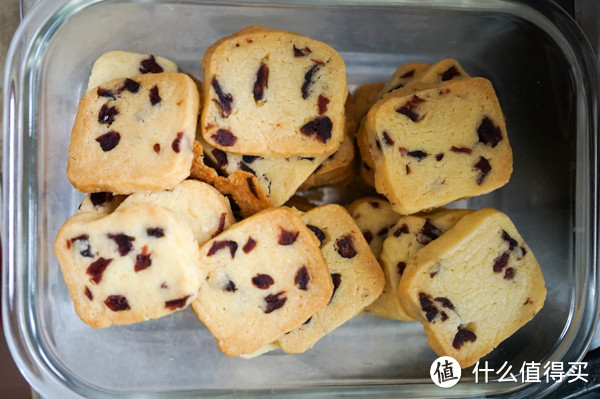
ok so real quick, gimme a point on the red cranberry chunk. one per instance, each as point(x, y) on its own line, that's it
point(130, 85)
point(302, 278)
point(155, 232)
point(400, 266)
point(420, 155)
point(117, 303)
point(317, 232)
point(509, 273)
point(401, 230)
point(96, 269)
point(218, 245)
point(123, 241)
point(263, 281)
point(149, 65)
point(252, 186)
point(345, 247)
point(445, 302)
point(336, 278)
point(523, 251)
point(86, 250)
point(461, 150)
point(99, 199)
point(224, 100)
point(410, 107)
point(438, 157)
point(368, 236)
point(427, 306)
point(105, 93)
point(274, 302)
point(287, 237)
point(142, 261)
point(154, 96)
point(449, 73)
point(301, 52)
point(176, 145)
point(308, 80)
point(489, 134)
point(176, 303)
point(262, 82)
point(224, 137)
point(221, 225)
point(230, 286)
point(249, 246)
point(322, 103)
point(320, 127)
point(512, 243)
point(484, 168)
point(109, 140)
point(156, 148)
point(387, 139)
point(428, 233)
point(408, 170)
point(107, 114)
point(443, 316)
point(500, 262)
point(88, 293)
point(463, 336)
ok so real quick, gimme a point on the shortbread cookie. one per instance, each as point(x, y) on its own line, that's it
point(404, 239)
point(357, 277)
point(132, 265)
point(125, 64)
point(273, 93)
point(439, 145)
point(266, 276)
point(206, 211)
point(363, 99)
point(473, 287)
point(102, 202)
point(374, 217)
point(134, 134)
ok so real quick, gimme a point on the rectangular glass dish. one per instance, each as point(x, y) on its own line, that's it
point(546, 79)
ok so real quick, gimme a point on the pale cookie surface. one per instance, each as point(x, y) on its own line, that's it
point(410, 234)
point(473, 287)
point(266, 276)
point(134, 134)
point(125, 64)
point(273, 93)
point(121, 268)
point(356, 275)
point(205, 210)
point(439, 145)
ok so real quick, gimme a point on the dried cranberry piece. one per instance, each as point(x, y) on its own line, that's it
point(155, 232)
point(401, 230)
point(99, 199)
point(287, 237)
point(308, 79)
point(123, 241)
point(274, 302)
point(252, 187)
point(247, 168)
point(96, 269)
point(142, 261)
point(512, 243)
point(462, 336)
point(523, 251)
point(164, 286)
point(449, 73)
point(489, 134)
point(368, 236)
point(221, 226)
point(336, 278)
point(117, 303)
point(149, 65)
point(176, 303)
point(408, 74)
point(408, 170)
point(410, 107)
point(154, 96)
point(177, 142)
point(218, 245)
point(230, 286)
point(322, 103)
point(156, 148)
point(317, 232)
point(428, 233)
point(224, 99)
point(509, 273)
point(320, 127)
point(301, 52)
point(420, 155)
point(427, 306)
point(86, 251)
point(105, 93)
point(484, 168)
point(88, 293)
point(109, 140)
point(224, 137)
point(249, 246)
point(302, 278)
point(443, 316)
point(387, 139)
point(130, 85)
point(220, 156)
point(528, 301)
point(383, 231)
point(445, 302)
point(107, 114)
point(501, 261)
point(345, 246)
point(461, 150)
point(263, 281)
point(262, 82)
point(438, 157)
point(400, 266)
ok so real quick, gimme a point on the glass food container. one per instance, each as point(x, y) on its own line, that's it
point(543, 71)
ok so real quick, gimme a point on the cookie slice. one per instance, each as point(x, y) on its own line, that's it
point(273, 93)
point(129, 266)
point(439, 145)
point(125, 64)
point(134, 134)
point(473, 287)
point(205, 210)
point(356, 275)
point(265, 276)
point(405, 238)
